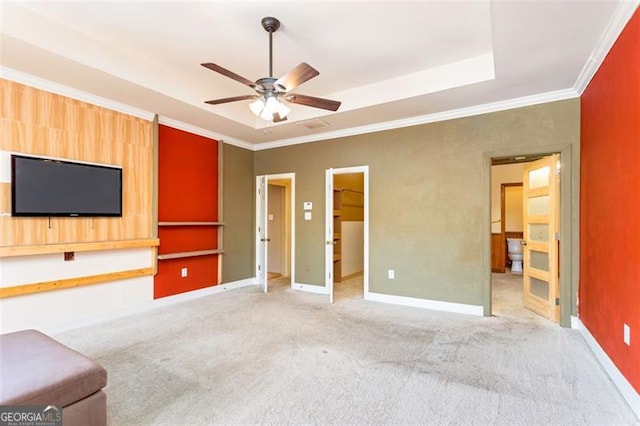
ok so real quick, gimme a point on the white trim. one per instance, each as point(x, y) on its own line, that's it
point(204, 132)
point(310, 288)
point(628, 392)
point(541, 98)
point(152, 304)
point(618, 21)
point(575, 323)
point(69, 92)
point(438, 305)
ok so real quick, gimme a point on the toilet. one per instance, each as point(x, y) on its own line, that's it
point(514, 249)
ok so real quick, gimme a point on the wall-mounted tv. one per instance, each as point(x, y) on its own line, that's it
point(50, 187)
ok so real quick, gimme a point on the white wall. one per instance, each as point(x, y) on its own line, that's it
point(352, 247)
point(58, 308)
point(508, 173)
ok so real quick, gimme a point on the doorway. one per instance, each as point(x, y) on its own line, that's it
point(347, 232)
point(525, 253)
point(275, 230)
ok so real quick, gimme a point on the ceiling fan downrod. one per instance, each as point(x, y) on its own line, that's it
point(270, 25)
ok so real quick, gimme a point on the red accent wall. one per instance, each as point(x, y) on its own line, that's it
point(609, 294)
point(187, 176)
point(187, 192)
point(202, 272)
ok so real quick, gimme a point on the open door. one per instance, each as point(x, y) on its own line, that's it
point(328, 262)
point(541, 209)
point(261, 231)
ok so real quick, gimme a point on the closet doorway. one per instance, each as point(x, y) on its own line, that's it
point(347, 230)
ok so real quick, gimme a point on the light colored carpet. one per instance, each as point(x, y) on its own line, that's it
point(291, 358)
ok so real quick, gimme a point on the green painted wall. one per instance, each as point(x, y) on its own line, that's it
point(238, 213)
point(429, 195)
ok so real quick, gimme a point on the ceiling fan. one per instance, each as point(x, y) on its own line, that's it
point(270, 91)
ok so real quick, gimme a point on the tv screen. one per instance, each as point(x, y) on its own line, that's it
point(48, 187)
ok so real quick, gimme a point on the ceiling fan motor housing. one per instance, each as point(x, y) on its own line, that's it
point(270, 24)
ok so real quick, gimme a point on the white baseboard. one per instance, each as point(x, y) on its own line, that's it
point(318, 289)
point(628, 392)
point(437, 305)
point(152, 304)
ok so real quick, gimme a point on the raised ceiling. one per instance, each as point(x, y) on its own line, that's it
point(390, 63)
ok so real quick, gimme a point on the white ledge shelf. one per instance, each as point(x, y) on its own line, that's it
point(190, 223)
point(189, 254)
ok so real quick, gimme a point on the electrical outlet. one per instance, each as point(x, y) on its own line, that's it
point(183, 273)
point(627, 335)
point(391, 274)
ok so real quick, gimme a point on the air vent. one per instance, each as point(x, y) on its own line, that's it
point(314, 124)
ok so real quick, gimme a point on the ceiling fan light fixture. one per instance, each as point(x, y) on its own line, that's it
point(266, 108)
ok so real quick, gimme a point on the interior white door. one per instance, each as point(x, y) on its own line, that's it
point(541, 208)
point(261, 232)
point(329, 233)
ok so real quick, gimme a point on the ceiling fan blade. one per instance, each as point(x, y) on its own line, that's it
point(313, 101)
point(277, 118)
point(230, 74)
point(233, 99)
point(297, 76)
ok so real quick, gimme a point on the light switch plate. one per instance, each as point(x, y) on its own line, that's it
point(183, 272)
point(627, 335)
point(307, 215)
point(307, 205)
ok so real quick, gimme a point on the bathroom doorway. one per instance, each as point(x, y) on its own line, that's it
point(525, 203)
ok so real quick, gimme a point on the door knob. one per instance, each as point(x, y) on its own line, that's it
point(523, 242)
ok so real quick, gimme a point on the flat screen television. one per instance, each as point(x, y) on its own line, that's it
point(50, 187)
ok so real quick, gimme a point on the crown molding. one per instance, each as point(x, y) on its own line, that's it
point(69, 92)
point(204, 132)
point(558, 95)
point(618, 21)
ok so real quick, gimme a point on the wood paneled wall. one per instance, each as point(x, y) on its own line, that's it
point(36, 122)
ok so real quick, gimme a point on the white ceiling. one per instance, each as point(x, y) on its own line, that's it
point(388, 62)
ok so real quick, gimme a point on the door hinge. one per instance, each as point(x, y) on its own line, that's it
point(557, 301)
point(557, 236)
point(259, 267)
